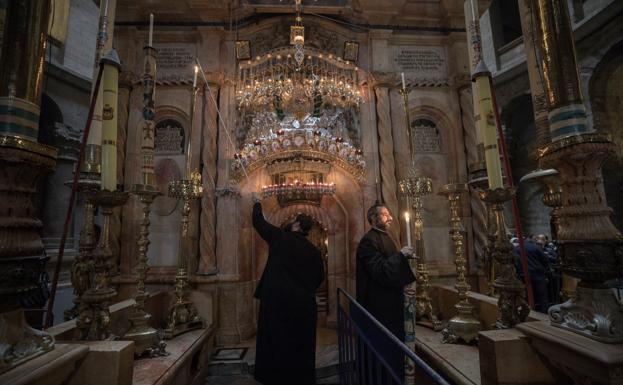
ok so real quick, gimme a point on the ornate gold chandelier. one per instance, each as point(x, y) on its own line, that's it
point(298, 192)
point(297, 79)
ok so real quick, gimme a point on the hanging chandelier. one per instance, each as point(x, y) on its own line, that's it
point(298, 192)
point(297, 79)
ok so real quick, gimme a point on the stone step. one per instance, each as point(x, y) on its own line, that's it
point(241, 362)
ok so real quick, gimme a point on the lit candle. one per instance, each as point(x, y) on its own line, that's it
point(151, 28)
point(402, 76)
point(195, 77)
point(408, 226)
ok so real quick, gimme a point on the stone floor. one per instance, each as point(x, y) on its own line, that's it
point(236, 370)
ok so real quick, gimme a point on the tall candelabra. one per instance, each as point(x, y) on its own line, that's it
point(145, 337)
point(94, 315)
point(464, 325)
point(415, 187)
point(183, 315)
point(511, 302)
point(80, 268)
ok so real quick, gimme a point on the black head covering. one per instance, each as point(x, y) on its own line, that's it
point(305, 221)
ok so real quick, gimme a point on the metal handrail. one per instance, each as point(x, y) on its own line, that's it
point(397, 342)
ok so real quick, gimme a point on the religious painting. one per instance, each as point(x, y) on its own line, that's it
point(351, 51)
point(243, 50)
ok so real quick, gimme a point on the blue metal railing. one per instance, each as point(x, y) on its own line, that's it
point(370, 354)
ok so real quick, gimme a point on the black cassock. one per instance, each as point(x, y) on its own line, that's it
point(286, 326)
point(382, 273)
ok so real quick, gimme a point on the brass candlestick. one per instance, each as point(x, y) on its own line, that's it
point(93, 314)
point(415, 187)
point(145, 337)
point(81, 266)
point(183, 315)
point(464, 325)
point(511, 302)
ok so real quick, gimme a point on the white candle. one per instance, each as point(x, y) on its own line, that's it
point(151, 28)
point(195, 77)
point(402, 75)
point(407, 222)
point(106, 9)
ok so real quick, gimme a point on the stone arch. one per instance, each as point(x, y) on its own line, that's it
point(429, 109)
point(606, 98)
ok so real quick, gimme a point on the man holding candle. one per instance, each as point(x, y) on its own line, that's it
point(382, 274)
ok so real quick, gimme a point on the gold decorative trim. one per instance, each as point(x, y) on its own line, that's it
point(572, 141)
point(27, 145)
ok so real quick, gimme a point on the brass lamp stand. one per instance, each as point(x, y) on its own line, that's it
point(93, 314)
point(511, 302)
point(464, 325)
point(415, 187)
point(145, 337)
point(183, 315)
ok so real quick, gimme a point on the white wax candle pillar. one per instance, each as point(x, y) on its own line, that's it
point(151, 28)
point(402, 76)
point(408, 225)
point(195, 77)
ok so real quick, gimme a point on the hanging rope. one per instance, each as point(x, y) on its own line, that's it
point(220, 118)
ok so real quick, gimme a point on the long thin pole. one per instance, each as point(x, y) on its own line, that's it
point(516, 218)
point(74, 186)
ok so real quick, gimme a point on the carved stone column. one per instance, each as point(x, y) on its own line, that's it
point(207, 233)
point(23, 161)
point(386, 152)
point(478, 210)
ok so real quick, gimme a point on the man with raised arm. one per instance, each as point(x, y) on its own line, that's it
point(286, 326)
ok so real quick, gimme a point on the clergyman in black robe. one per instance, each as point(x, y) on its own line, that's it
point(286, 326)
point(382, 274)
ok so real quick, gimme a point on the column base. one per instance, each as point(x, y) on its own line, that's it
point(593, 313)
point(146, 339)
point(183, 318)
point(19, 342)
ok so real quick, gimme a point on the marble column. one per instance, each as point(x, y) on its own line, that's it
point(478, 210)
point(207, 239)
point(386, 156)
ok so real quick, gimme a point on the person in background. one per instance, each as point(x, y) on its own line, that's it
point(538, 268)
point(555, 275)
point(286, 325)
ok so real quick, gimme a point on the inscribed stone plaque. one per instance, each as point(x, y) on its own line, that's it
point(421, 62)
point(169, 138)
point(175, 62)
point(426, 136)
